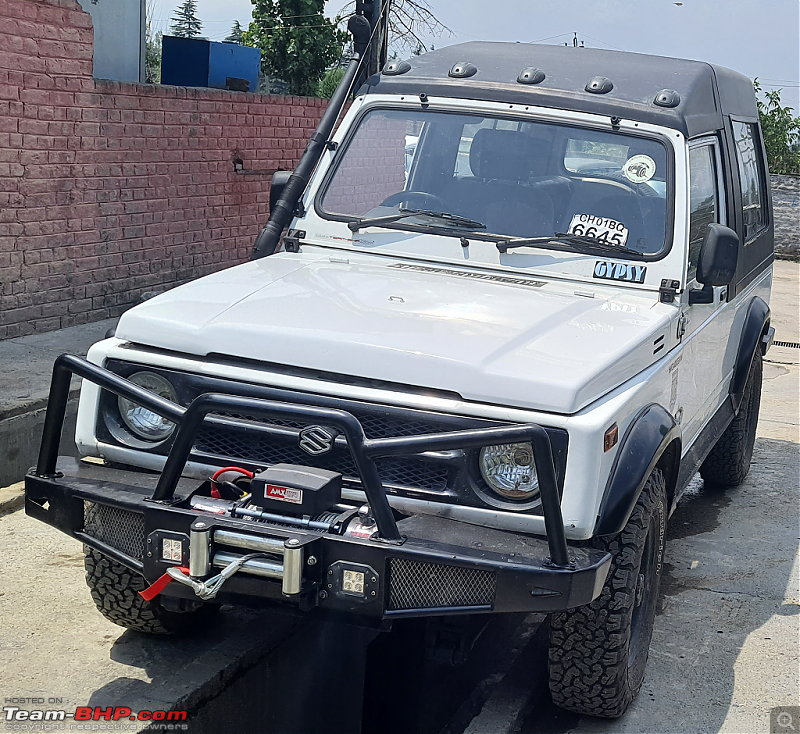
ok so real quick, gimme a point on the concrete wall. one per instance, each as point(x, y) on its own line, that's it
point(119, 38)
point(109, 190)
point(786, 205)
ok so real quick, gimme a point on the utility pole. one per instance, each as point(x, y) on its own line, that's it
point(575, 42)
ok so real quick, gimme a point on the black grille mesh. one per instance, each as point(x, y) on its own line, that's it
point(420, 585)
point(121, 529)
point(232, 443)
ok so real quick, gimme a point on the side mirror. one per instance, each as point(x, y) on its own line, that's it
point(279, 181)
point(716, 266)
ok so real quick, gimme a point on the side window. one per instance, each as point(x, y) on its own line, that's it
point(703, 201)
point(748, 154)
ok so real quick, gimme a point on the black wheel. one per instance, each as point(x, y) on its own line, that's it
point(729, 461)
point(598, 652)
point(115, 592)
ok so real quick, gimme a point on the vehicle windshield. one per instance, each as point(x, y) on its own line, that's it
point(515, 178)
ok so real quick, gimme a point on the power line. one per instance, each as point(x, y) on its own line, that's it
point(550, 38)
point(597, 40)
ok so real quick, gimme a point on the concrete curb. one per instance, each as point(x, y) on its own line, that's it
point(12, 498)
point(21, 435)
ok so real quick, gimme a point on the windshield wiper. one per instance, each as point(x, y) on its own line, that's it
point(571, 239)
point(456, 219)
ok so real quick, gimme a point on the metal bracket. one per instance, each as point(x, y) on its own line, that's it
point(291, 242)
point(668, 290)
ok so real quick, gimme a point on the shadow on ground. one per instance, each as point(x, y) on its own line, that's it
point(728, 563)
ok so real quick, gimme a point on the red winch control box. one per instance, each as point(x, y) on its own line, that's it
point(296, 490)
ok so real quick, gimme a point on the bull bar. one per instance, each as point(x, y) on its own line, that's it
point(585, 567)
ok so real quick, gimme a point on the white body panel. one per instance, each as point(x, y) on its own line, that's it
point(538, 347)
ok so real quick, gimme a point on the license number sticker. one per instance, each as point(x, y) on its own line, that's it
point(599, 228)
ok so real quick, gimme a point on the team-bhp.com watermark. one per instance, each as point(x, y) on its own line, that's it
point(85, 718)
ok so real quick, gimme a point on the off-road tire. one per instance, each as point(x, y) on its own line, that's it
point(598, 652)
point(115, 592)
point(729, 461)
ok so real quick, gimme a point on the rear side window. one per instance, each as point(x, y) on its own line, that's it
point(751, 176)
point(703, 204)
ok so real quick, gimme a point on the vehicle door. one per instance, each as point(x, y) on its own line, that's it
point(698, 376)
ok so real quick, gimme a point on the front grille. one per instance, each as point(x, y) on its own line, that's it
point(421, 585)
point(123, 530)
point(234, 443)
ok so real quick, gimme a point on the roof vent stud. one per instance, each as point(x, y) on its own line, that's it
point(667, 98)
point(531, 75)
point(599, 85)
point(463, 70)
point(395, 68)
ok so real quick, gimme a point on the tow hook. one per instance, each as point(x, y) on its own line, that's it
point(205, 590)
point(209, 589)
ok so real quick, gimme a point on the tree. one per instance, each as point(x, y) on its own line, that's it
point(185, 23)
point(298, 43)
point(410, 21)
point(781, 132)
point(236, 33)
point(152, 57)
point(152, 53)
point(330, 82)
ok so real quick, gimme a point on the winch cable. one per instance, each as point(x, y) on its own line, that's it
point(205, 590)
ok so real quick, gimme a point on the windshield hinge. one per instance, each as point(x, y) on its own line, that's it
point(682, 320)
point(668, 290)
point(291, 242)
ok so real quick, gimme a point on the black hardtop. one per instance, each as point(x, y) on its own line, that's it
point(707, 92)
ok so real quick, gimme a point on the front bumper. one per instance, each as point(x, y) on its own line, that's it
point(442, 567)
point(412, 566)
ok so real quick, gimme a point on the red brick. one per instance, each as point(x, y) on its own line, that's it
point(126, 187)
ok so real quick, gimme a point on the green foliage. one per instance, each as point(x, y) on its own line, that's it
point(185, 23)
point(236, 33)
point(330, 82)
point(297, 41)
point(152, 56)
point(781, 132)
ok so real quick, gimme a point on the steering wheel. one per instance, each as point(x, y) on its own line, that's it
point(417, 200)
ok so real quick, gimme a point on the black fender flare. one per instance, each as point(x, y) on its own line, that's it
point(756, 321)
point(648, 436)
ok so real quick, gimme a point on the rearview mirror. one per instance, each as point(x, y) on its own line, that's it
point(716, 265)
point(279, 181)
point(718, 256)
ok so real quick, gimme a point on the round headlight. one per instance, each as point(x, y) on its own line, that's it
point(143, 422)
point(509, 470)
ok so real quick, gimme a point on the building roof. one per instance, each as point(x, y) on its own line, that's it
point(706, 92)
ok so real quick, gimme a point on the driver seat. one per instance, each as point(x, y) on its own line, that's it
point(504, 162)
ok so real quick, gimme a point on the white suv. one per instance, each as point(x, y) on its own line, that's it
point(476, 376)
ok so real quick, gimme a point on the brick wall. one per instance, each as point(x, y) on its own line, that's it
point(110, 190)
point(373, 167)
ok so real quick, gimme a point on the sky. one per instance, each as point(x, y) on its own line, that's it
point(760, 39)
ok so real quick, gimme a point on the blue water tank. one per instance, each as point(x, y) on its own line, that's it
point(195, 62)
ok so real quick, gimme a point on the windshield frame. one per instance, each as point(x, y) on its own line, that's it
point(539, 115)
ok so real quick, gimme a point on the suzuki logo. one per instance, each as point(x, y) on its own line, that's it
point(316, 440)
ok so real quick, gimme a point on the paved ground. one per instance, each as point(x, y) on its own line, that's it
point(26, 365)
